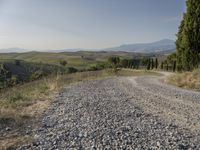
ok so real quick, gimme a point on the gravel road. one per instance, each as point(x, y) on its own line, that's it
point(121, 113)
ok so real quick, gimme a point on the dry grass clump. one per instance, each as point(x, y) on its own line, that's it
point(12, 143)
point(186, 79)
point(131, 72)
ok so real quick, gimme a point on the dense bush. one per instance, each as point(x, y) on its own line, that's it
point(95, 67)
point(38, 75)
point(63, 62)
point(71, 70)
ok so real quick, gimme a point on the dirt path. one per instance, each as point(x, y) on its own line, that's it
point(121, 113)
point(173, 104)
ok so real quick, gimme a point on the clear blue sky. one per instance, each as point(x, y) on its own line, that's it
point(58, 24)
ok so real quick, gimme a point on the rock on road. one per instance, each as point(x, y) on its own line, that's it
point(121, 113)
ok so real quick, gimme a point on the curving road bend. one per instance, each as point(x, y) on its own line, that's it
point(121, 113)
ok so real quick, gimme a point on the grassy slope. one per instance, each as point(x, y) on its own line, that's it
point(24, 102)
point(187, 79)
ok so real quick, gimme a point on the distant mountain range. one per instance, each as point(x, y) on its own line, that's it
point(164, 45)
point(158, 46)
point(13, 50)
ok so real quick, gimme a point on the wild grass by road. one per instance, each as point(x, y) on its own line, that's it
point(190, 80)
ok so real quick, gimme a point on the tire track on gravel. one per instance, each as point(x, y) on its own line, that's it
point(173, 103)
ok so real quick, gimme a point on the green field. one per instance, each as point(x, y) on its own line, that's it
point(80, 60)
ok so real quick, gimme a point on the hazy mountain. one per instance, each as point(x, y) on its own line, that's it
point(13, 50)
point(158, 46)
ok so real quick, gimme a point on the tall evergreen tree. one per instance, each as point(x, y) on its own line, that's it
point(179, 46)
point(188, 42)
point(156, 63)
point(167, 66)
point(149, 64)
point(162, 65)
point(152, 63)
point(174, 66)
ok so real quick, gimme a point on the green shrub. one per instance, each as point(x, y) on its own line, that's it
point(71, 70)
point(17, 62)
point(63, 62)
point(14, 80)
point(16, 97)
point(38, 75)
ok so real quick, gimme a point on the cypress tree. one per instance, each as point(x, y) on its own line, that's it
point(179, 46)
point(167, 66)
point(152, 64)
point(149, 64)
point(162, 65)
point(156, 63)
point(188, 42)
point(174, 66)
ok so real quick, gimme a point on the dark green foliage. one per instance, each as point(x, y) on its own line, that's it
point(162, 65)
point(152, 64)
point(71, 70)
point(171, 62)
point(5, 76)
point(93, 68)
point(114, 60)
point(149, 64)
point(63, 62)
point(14, 80)
point(179, 47)
point(134, 63)
point(130, 63)
point(38, 75)
point(144, 61)
point(124, 63)
point(156, 63)
point(98, 66)
point(188, 38)
point(174, 66)
point(167, 66)
point(17, 62)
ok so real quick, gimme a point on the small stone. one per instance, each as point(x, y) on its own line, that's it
point(8, 128)
point(158, 144)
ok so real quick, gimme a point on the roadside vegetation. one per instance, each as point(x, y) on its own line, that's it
point(186, 60)
point(15, 72)
point(186, 80)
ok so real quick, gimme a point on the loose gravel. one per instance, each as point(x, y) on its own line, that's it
point(120, 113)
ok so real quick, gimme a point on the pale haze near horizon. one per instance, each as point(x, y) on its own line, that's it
point(89, 24)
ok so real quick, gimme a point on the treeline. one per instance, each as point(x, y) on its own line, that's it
point(170, 63)
point(147, 63)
